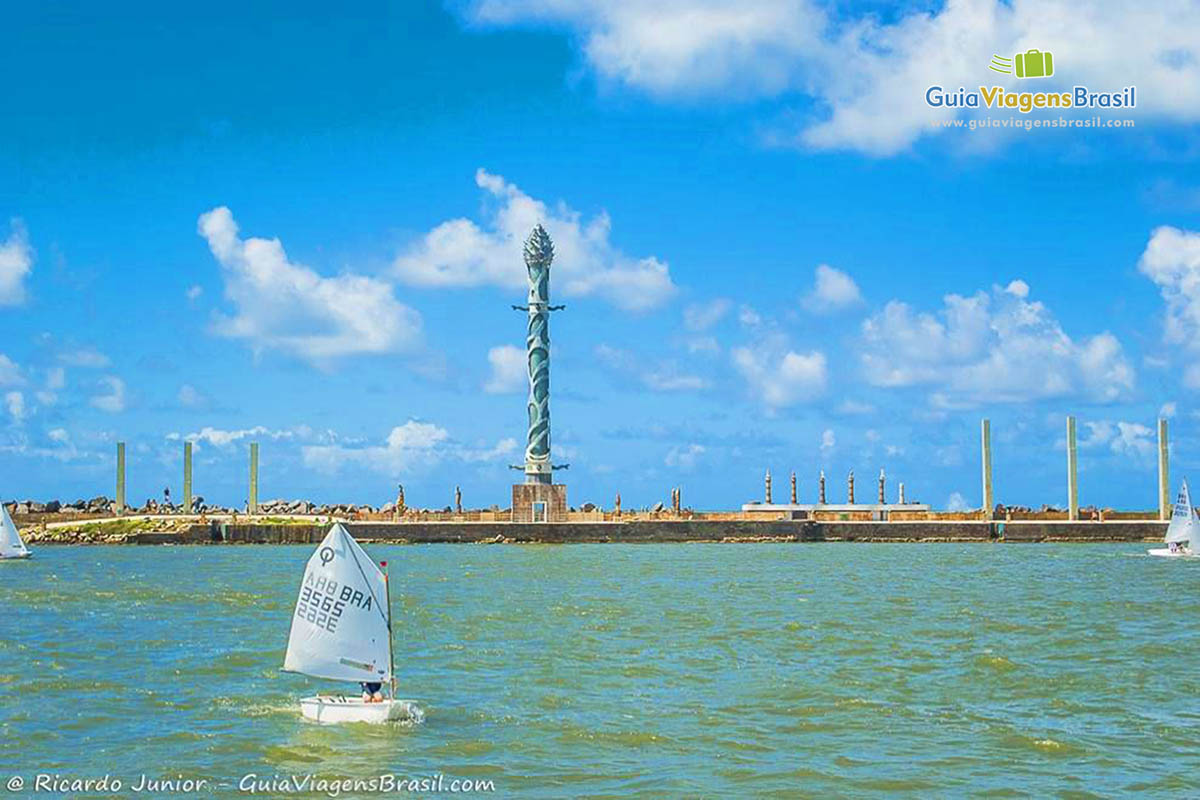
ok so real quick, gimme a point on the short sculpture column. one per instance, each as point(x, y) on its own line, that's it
point(252, 501)
point(1072, 472)
point(187, 477)
point(120, 477)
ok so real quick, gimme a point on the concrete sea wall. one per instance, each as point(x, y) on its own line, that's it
point(672, 531)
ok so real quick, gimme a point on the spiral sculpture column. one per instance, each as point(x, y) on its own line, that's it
point(539, 252)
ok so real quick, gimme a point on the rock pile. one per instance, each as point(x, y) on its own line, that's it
point(279, 507)
point(306, 507)
point(97, 505)
point(106, 505)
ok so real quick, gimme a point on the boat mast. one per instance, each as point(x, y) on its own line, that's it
point(387, 585)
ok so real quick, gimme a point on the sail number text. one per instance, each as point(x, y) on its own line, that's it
point(322, 601)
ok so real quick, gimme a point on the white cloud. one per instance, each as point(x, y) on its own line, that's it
point(993, 347)
point(286, 306)
point(702, 316)
point(61, 447)
point(10, 373)
point(15, 403)
point(1167, 410)
point(828, 441)
point(87, 357)
point(748, 317)
point(658, 376)
point(684, 458)
point(16, 262)
point(1122, 438)
point(833, 290)
point(460, 252)
point(855, 407)
point(1191, 376)
point(194, 292)
point(867, 72)
point(113, 399)
point(781, 381)
point(1172, 261)
point(413, 444)
point(56, 378)
point(948, 455)
point(666, 379)
point(1134, 439)
point(706, 345)
point(679, 47)
point(509, 370)
point(872, 101)
point(957, 502)
point(191, 397)
point(1098, 434)
point(877, 103)
point(501, 450)
point(1018, 288)
point(218, 437)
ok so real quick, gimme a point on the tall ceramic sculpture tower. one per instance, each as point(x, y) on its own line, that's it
point(539, 499)
point(539, 252)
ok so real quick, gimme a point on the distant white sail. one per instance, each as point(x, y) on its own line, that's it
point(1184, 525)
point(11, 545)
point(340, 627)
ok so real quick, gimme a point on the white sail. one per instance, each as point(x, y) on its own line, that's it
point(11, 545)
point(340, 627)
point(1184, 525)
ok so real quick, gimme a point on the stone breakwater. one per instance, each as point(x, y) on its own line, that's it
point(58, 511)
point(214, 532)
point(105, 506)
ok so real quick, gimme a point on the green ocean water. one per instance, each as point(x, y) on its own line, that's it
point(648, 671)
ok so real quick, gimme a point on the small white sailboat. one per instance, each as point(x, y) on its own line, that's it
point(11, 546)
point(342, 631)
point(1183, 534)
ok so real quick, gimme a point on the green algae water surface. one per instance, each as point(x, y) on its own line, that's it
point(649, 671)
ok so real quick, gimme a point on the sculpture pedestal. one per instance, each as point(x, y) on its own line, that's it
point(539, 502)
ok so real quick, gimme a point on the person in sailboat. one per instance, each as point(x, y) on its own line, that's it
point(1183, 532)
point(341, 631)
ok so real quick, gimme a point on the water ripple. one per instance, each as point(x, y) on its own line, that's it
point(641, 671)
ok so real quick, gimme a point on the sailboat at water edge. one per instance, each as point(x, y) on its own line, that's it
point(11, 546)
point(342, 631)
point(1183, 534)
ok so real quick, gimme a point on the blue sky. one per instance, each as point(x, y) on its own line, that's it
point(283, 225)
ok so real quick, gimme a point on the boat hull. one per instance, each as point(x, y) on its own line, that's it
point(337, 709)
point(18, 557)
point(1165, 552)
